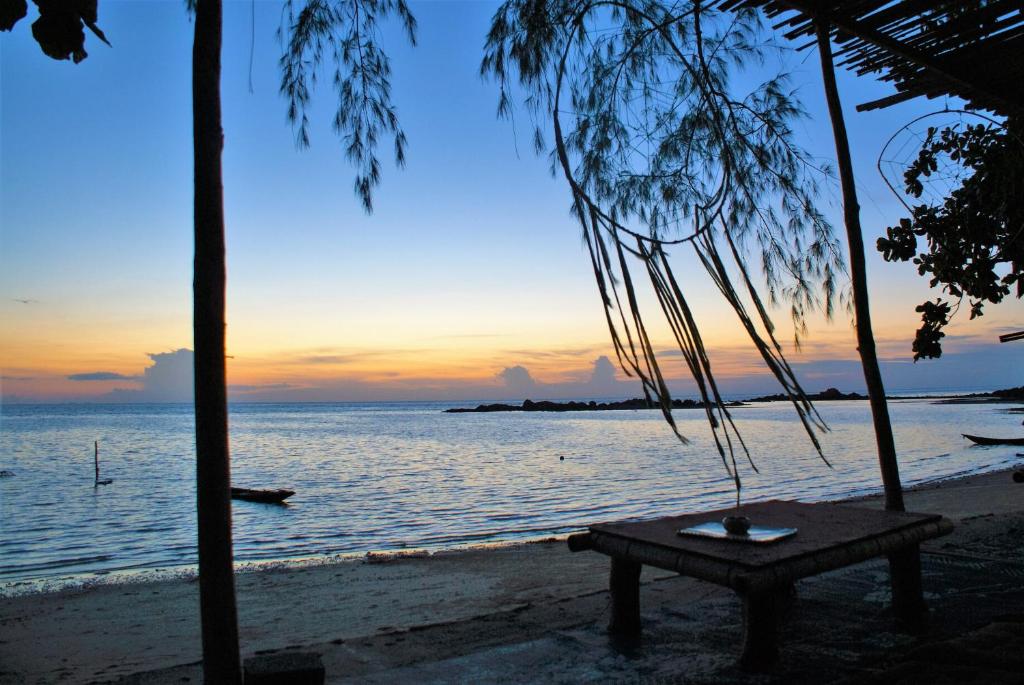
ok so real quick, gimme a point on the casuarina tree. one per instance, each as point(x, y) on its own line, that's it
point(663, 151)
point(659, 150)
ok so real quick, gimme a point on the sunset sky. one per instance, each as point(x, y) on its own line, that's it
point(469, 281)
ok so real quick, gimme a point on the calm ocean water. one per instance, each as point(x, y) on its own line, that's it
point(398, 476)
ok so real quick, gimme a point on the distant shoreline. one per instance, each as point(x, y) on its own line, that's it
point(829, 395)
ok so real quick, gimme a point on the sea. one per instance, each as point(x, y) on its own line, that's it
point(389, 477)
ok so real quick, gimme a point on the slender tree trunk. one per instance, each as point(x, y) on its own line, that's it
point(865, 337)
point(905, 565)
point(213, 470)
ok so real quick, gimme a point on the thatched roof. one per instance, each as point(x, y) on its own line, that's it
point(972, 49)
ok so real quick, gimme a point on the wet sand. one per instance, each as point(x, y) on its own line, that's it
point(520, 613)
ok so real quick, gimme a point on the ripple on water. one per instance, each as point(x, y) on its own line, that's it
point(389, 476)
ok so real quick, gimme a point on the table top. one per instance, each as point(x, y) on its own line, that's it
point(821, 528)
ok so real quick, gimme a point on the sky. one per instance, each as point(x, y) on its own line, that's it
point(469, 280)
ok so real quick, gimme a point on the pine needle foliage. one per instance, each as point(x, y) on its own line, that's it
point(661, 152)
point(347, 34)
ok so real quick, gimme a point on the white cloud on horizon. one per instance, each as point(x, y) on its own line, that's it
point(102, 376)
point(168, 379)
point(518, 381)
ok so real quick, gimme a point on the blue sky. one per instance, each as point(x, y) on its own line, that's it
point(469, 265)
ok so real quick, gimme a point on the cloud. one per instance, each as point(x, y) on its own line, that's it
point(328, 359)
point(980, 367)
point(352, 357)
point(600, 383)
point(518, 380)
point(169, 379)
point(102, 376)
point(543, 355)
point(604, 371)
point(467, 336)
point(262, 388)
point(16, 378)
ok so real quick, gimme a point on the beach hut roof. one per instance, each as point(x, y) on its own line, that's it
point(972, 49)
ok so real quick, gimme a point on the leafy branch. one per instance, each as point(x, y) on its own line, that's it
point(659, 151)
point(347, 31)
point(973, 234)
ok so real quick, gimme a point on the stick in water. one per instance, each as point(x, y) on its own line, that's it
point(96, 459)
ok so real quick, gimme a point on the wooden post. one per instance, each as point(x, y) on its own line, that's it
point(96, 461)
point(218, 613)
point(904, 567)
point(908, 603)
point(624, 584)
point(762, 615)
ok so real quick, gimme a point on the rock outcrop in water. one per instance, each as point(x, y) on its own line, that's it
point(639, 403)
point(544, 405)
point(823, 396)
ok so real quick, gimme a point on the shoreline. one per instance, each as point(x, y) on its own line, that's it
point(189, 572)
point(410, 609)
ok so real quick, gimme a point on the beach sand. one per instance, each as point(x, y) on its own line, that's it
point(529, 613)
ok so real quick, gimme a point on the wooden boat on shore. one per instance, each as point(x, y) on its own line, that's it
point(268, 496)
point(980, 440)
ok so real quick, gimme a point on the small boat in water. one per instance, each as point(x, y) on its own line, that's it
point(269, 496)
point(993, 441)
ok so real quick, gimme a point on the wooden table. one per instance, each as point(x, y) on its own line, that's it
point(829, 536)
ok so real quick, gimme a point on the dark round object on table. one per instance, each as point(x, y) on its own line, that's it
point(736, 525)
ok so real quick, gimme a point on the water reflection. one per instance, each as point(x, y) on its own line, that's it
point(373, 477)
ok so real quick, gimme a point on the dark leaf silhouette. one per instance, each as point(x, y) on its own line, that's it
point(973, 232)
point(11, 12)
point(59, 30)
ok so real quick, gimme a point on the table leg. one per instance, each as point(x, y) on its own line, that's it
point(624, 584)
point(762, 614)
point(907, 595)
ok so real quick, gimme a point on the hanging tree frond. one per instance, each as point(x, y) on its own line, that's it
point(347, 31)
point(660, 152)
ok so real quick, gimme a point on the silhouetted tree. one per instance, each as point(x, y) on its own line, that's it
point(221, 662)
point(972, 234)
point(904, 565)
point(854, 235)
point(347, 30)
point(661, 151)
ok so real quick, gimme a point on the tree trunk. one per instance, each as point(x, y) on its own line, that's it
point(905, 566)
point(213, 469)
point(865, 337)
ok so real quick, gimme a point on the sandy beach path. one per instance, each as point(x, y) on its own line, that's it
point(107, 631)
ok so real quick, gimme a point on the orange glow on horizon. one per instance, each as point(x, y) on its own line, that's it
point(439, 363)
